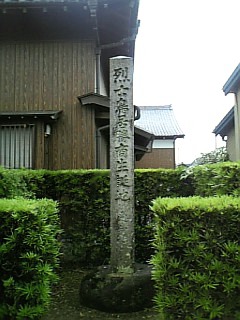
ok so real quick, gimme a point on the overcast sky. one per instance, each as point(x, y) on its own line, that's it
point(185, 52)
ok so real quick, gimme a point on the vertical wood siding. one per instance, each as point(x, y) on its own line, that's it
point(158, 158)
point(49, 76)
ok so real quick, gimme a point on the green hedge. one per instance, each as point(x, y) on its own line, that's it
point(216, 179)
point(84, 201)
point(197, 261)
point(150, 184)
point(25, 183)
point(84, 205)
point(12, 184)
point(29, 256)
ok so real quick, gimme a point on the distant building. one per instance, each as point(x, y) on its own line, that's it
point(229, 127)
point(226, 130)
point(160, 121)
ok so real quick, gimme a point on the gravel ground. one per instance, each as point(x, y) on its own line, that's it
point(65, 302)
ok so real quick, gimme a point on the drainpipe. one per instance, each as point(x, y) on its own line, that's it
point(98, 69)
point(174, 153)
point(93, 5)
point(98, 144)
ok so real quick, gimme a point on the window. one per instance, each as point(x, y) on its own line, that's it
point(16, 146)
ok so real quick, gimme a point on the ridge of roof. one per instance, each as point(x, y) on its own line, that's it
point(164, 107)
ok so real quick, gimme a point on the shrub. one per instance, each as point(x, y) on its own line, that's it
point(12, 184)
point(29, 256)
point(84, 202)
point(196, 265)
point(215, 156)
point(216, 179)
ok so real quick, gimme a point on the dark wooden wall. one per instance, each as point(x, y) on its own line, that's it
point(49, 76)
point(158, 158)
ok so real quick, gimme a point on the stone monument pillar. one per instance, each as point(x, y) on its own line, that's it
point(122, 164)
point(122, 286)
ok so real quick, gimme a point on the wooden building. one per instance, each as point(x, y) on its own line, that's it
point(161, 122)
point(54, 80)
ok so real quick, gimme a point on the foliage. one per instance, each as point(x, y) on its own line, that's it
point(84, 207)
point(215, 156)
point(158, 182)
point(29, 256)
point(84, 202)
point(12, 184)
point(215, 179)
point(84, 199)
point(196, 265)
point(36, 183)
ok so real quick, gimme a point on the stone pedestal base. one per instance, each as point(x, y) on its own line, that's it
point(113, 292)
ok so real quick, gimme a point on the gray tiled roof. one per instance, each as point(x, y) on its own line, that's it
point(160, 121)
point(226, 124)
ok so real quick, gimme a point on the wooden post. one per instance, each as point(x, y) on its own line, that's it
point(122, 164)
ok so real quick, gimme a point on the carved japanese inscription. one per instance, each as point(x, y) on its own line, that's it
point(122, 163)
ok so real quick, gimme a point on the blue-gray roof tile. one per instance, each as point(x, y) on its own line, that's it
point(160, 121)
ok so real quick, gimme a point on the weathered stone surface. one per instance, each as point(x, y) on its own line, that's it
point(122, 164)
point(113, 292)
point(123, 286)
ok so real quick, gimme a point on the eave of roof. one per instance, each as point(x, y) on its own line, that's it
point(225, 124)
point(117, 17)
point(143, 133)
point(50, 115)
point(22, 2)
point(86, 2)
point(233, 82)
point(103, 102)
point(111, 24)
point(94, 99)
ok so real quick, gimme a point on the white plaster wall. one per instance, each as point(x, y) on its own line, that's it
point(163, 144)
point(102, 87)
point(230, 144)
point(237, 125)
